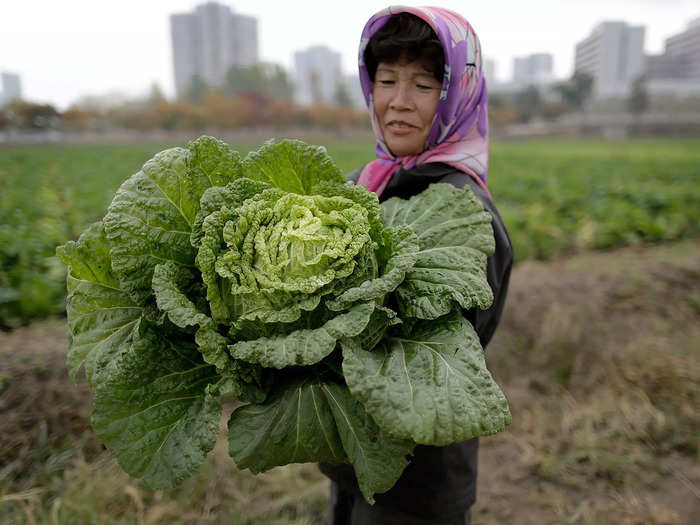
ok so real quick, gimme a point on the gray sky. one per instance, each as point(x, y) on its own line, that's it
point(68, 48)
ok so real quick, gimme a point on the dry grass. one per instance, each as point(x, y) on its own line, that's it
point(598, 355)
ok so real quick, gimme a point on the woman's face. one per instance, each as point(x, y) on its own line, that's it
point(405, 99)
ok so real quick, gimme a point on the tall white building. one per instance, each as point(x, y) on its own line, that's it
point(614, 55)
point(11, 88)
point(354, 90)
point(317, 73)
point(686, 45)
point(535, 69)
point(208, 41)
point(677, 70)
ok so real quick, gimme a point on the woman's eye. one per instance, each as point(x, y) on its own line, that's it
point(424, 87)
point(386, 82)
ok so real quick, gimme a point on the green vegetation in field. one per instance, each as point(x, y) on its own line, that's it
point(49, 194)
point(555, 197)
point(565, 197)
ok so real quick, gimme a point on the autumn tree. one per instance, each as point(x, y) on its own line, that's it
point(156, 94)
point(270, 79)
point(30, 115)
point(577, 90)
point(527, 102)
point(197, 89)
point(75, 119)
point(315, 84)
point(4, 119)
point(341, 96)
point(638, 100)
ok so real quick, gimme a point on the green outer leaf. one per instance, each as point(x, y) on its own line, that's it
point(310, 420)
point(168, 281)
point(442, 277)
point(88, 257)
point(431, 385)
point(291, 165)
point(382, 318)
point(102, 320)
point(378, 458)
point(155, 414)
point(151, 216)
point(400, 251)
point(212, 163)
point(248, 383)
point(304, 347)
point(456, 237)
point(295, 425)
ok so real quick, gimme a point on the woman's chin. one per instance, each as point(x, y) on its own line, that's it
point(403, 148)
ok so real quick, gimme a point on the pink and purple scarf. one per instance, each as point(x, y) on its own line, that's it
point(459, 133)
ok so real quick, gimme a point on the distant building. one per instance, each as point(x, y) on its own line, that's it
point(354, 90)
point(102, 102)
point(11, 88)
point(489, 71)
point(536, 69)
point(208, 41)
point(666, 67)
point(677, 70)
point(317, 74)
point(614, 55)
point(686, 45)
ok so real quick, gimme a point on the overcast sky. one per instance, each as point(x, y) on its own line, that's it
point(68, 48)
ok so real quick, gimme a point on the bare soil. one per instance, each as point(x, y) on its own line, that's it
point(598, 355)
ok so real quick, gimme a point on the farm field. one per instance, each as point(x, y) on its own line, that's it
point(597, 349)
point(556, 197)
point(597, 354)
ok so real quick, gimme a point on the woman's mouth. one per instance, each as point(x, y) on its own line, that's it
point(399, 126)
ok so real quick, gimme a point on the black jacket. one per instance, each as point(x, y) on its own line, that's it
point(440, 481)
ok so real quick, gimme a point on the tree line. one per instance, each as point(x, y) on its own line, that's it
point(253, 96)
point(262, 95)
point(551, 102)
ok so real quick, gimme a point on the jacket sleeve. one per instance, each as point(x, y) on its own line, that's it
point(498, 265)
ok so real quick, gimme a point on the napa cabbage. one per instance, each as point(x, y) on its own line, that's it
point(335, 321)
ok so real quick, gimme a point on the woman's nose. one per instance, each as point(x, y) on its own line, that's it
point(401, 98)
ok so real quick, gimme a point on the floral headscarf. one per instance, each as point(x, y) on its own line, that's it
point(459, 133)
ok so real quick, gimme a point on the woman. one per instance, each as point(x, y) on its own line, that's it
point(420, 70)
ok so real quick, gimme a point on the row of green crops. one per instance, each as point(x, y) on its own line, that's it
point(555, 197)
point(565, 197)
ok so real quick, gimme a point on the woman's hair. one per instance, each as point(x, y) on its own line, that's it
point(405, 38)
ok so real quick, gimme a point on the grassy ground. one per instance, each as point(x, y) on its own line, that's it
point(597, 354)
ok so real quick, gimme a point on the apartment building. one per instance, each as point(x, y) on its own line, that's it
point(614, 55)
point(208, 41)
point(317, 74)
